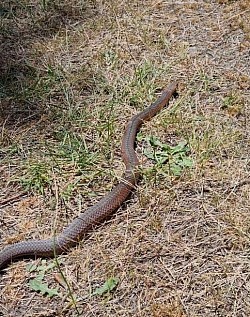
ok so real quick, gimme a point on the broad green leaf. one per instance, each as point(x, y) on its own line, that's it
point(31, 267)
point(186, 162)
point(176, 169)
point(154, 141)
point(38, 286)
point(149, 154)
point(107, 287)
point(181, 147)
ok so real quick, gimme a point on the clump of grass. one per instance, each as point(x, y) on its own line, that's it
point(72, 149)
point(37, 177)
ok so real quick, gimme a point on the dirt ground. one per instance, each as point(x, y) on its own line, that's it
point(72, 73)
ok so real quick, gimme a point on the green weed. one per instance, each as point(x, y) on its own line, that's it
point(37, 177)
point(176, 157)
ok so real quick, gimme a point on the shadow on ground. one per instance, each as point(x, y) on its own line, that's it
point(22, 24)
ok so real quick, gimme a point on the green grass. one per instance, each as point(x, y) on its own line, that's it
point(36, 177)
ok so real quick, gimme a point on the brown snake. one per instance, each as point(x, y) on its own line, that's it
point(103, 208)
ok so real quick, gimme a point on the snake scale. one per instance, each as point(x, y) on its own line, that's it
point(104, 207)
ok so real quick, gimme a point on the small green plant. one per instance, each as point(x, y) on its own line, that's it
point(73, 149)
point(107, 287)
point(37, 283)
point(176, 156)
point(36, 177)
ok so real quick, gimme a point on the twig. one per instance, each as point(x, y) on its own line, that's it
point(12, 199)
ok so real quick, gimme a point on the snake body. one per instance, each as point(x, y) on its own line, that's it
point(104, 207)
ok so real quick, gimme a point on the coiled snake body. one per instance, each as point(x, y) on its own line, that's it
point(103, 208)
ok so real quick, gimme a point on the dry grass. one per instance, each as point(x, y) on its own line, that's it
point(72, 73)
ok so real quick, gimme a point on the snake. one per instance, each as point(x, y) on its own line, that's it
point(105, 207)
